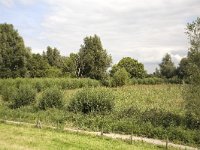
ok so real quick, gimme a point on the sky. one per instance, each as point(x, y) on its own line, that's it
point(142, 29)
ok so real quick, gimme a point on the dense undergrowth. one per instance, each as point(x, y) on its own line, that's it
point(155, 111)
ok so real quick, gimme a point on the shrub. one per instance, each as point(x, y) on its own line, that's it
point(120, 77)
point(38, 86)
point(92, 100)
point(25, 95)
point(51, 98)
point(106, 81)
point(8, 93)
point(148, 81)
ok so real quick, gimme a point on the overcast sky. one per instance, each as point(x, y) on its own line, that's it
point(142, 29)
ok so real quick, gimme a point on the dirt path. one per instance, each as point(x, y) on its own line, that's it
point(113, 136)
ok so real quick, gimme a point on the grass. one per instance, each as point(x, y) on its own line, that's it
point(155, 111)
point(167, 97)
point(27, 138)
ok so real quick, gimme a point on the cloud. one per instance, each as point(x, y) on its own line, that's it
point(7, 3)
point(144, 30)
point(10, 3)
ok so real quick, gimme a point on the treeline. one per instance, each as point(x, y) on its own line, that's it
point(92, 61)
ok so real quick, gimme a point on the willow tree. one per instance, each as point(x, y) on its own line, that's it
point(13, 53)
point(93, 58)
point(193, 89)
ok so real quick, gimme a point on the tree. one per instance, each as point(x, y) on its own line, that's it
point(37, 66)
point(182, 70)
point(93, 59)
point(157, 73)
point(13, 53)
point(120, 77)
point(193, 89)
point(132, 66)
point(53, 56)
point(167, 67)
point(71, 65)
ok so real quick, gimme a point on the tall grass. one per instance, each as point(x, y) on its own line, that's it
point(155, 111)
point(44, 83)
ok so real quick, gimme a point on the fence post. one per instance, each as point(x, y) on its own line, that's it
point(132, 137)
point(102, 130)
point(167, 140)
point(38, 124)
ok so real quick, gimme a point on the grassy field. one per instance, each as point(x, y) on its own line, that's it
point(166, 97)
point(155, 111)
point(27, 138)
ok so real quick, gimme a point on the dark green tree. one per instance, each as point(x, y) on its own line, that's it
point(53, 56)
point(93, 59)
point(193, 89)
point(121, 77)
point(13, 53)
point(157, 73)
point(132, 66)
point(167, 67)
point(71, 65)
point(182, 70)
point(37, 66)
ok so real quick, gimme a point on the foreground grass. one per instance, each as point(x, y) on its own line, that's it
point(19, 137)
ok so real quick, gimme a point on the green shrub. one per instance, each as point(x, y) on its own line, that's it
point(43, 83)
point(92, 100)
point(51, 98)
point(120, 78)
point(148, 81)
point(8, 93)
point(106, 81)
point(25, 95)
point(39, 87)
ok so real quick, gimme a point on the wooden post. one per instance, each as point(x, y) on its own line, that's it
point(38, 124)
point(167, 140)
point(102, 130)
point(131, 140)
point(132, 137)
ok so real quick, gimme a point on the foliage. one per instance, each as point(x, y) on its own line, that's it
point(13, 53)
point(53, 72)
point(182, 70)
point(25, 95)
point(37, 66)
point(51, 98)
point(92, 100)
point(167, 67)
point(41, 84)
point(148, 81)
point(154, 111)
point(71, 65)
point(121, 77)
point(106, 80)
point(132, 66)
point(8, 93)
point(53, 57)
point(94, 60)
point(193, 89)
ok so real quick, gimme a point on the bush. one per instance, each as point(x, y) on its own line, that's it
point(43, 83)
point(120, 78)
point(148, 81)
point(92, 100)
point(51, 98)
point(8, 93)
point(106, 81)
point(25, 95)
